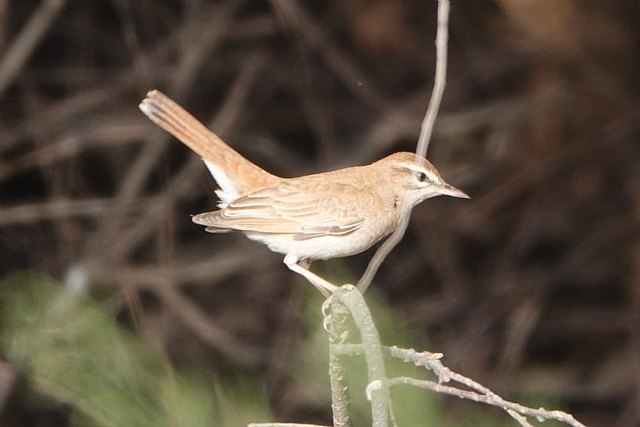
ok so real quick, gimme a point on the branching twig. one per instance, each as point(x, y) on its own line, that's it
point(56, 209)
point(431, 361)
point(489, 398)
point(477, 392)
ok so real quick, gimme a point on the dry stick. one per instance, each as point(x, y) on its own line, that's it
point(398, 122)
point(490, 399)
point(96, 133)
point(56, 209)
point(423, 140)
point(312, 33)
point(64, 114)
point(478, 392)
point(440, 79)
point(204, 269)
point(208, 331)
point(519, 418)
point(27, 41)
point(140, 62)
point(57, 116)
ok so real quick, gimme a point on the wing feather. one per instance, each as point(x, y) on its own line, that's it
point(298, 207)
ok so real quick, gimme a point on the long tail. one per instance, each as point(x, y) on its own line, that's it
point(178, 122)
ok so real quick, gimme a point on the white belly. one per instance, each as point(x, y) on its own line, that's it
point(323, 247)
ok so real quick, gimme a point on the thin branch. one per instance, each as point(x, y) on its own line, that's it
point(490, 399)
point(208, 330)
point(199, 268)
point(423, 141)
point(294, 15)
point(57, 209)
point(27, 41)
point(96, 133)
point(440, 80)
point(519, 418)
point(382, 252)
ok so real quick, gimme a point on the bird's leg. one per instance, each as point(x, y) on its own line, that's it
point(304, 263)
point(325, 287)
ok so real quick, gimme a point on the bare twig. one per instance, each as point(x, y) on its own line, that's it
point(296, 17)
point(431, 361)
point(440, 79)
point(57, 209)
point(382, 252)
point(96, 133)
point(27, 41)
point(423, 141)
point(204, 269)
point(206, 329)
point(490, 398)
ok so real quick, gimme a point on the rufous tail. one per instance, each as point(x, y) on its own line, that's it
point(171, 117)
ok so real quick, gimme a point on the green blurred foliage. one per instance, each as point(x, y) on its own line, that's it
point(74, 352)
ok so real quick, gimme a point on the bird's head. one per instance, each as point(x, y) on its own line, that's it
point(417, 179)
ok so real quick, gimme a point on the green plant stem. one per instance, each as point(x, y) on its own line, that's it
point(380, 396)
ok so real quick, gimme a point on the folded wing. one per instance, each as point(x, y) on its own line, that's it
point(305, 209)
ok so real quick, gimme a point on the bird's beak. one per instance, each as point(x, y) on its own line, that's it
point(450, 190)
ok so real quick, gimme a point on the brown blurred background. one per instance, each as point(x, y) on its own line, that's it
point(533, 286)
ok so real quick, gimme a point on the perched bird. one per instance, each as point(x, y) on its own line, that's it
point(320, 216)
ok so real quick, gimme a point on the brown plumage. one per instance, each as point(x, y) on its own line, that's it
point(320, 216)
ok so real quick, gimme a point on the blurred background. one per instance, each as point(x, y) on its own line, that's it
point(531, 288)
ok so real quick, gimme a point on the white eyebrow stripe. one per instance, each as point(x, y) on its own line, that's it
point(417, 168)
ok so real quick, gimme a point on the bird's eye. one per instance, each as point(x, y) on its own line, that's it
point(421, 176)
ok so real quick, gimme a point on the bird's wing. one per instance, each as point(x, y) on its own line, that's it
point(303, 209)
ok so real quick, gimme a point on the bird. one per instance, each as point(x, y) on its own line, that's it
point(312, 217)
